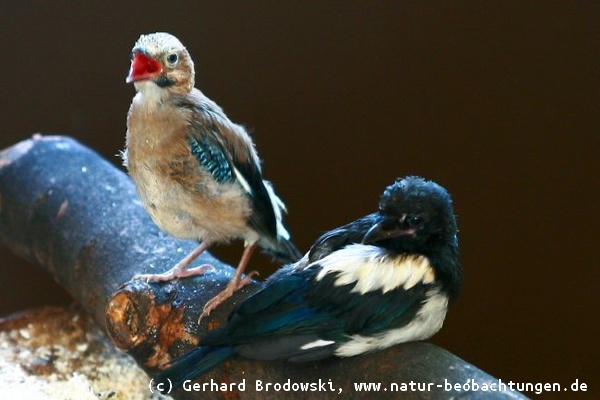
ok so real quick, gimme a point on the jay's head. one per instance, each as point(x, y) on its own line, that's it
point(161, 59)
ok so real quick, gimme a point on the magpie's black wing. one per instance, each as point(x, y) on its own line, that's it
point(338, 238)
point(279, 321)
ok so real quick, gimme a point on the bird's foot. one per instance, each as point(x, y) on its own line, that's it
point(175, 273)
point(233, 285)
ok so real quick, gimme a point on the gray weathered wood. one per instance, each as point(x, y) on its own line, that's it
point(66, 209)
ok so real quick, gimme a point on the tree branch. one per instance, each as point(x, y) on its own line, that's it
point(74, 214)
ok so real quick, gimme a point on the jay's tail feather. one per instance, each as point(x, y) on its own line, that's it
point(283, 250)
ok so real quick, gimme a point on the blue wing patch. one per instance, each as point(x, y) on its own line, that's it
point(212, 158)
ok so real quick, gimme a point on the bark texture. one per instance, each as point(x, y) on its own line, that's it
point(66, 209)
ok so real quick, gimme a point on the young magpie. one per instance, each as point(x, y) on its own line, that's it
point(384, 279)
point(197, 173)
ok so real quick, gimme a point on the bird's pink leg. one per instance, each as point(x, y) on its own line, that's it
point(234, 284)
point(180, 269)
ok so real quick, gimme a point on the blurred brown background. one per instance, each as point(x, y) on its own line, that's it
point(497, 101)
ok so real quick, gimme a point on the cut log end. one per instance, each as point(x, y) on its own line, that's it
point(124, 317)
point(141, 319)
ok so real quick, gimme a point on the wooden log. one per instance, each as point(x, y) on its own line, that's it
point(74, 214)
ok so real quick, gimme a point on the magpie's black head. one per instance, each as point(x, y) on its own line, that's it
point(415, 215)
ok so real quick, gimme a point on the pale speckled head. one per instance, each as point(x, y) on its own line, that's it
point(163, 59)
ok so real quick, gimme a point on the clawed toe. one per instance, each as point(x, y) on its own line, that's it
point(234, 285)
point(175, 273)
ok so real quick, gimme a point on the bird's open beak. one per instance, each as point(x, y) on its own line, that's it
point(143, 67)
point(386, 229)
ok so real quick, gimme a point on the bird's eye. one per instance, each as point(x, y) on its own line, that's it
point(172, 58)
point(132, 56)
point(415, 221)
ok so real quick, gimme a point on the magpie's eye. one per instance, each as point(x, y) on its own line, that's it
point(172, 58)
point(415, 221)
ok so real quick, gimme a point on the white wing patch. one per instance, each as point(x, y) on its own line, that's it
point(317, 343)
point(242, 180)
point(278, 207)
point(426, 323)
point(370, 268)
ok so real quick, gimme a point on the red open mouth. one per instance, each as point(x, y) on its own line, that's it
point(143, 67)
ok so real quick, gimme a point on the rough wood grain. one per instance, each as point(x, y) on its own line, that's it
point(74, 214)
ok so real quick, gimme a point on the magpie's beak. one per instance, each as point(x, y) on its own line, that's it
point(387, 228)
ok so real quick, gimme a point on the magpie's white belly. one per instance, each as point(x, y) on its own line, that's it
point(427, 322)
